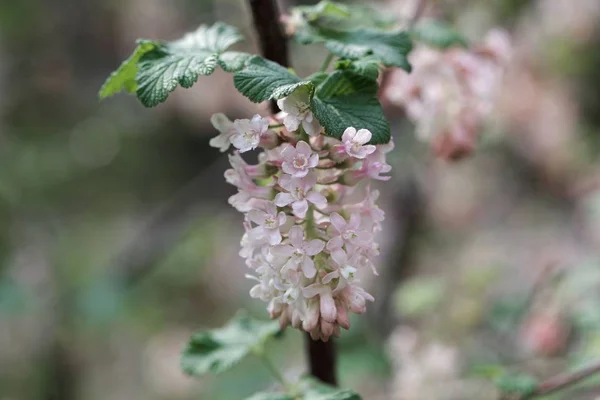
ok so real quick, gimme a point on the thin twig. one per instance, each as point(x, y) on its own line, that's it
point(564, 380)
point(272, 40)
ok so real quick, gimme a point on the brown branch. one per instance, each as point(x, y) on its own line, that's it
point(272, 40)
point(564, 380)
point(322, 359)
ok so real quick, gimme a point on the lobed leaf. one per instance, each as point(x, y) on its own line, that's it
point(342, 16)
point(346, 99)
point(219, 349)
point(263, 80)
point(270, 396)
point(389, 47)
point(313, 389)
point(367, 66)
point(438, 34)
point(124, 77)
point(156, 68)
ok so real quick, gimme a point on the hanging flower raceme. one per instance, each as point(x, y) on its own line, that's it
point(310, 214)
point(451, 92)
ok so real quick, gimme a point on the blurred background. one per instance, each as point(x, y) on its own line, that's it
point(117, 242)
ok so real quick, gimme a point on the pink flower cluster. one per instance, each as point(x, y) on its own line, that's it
point(310, 218)
point(450, 92)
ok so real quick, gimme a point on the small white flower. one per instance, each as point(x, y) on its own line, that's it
point(297, 161)
point(355, 142)
point(299, 193)
point(269, 223)
point(299, 252)
point(247, 132)
point(225, 127)
point(296, 107)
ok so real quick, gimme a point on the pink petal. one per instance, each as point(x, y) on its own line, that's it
point(354, 221)
point(328, 310)
point(288, 168)
point(339, 256)
point(342, 317)
point(257, 216)
point(282, 250)
point(281, 218)
point(338, 222)
point(308, 267)
point(335, 243)
point(317, 199)
point(274, 236)
point(329, 277)
point(312, 316)
point(300, 208)
point(313, 290)
point(314, 247)
point(362, 136)
point(313, 161)
point(303, 147)
point(283, 199)
point(369, 149)
point(348, 134)
point(297, 236)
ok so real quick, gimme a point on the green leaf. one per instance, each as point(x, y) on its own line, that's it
point(313, 389)
point(182, 61)
point(367, 66)
point(438, 34)
point(342, 16)
point(270, 396)
point(520, 384)
point(156, 68)
point(124, 77)
point(325, 9)
point(263, 80)
point(219, 349)
point(389, 47)
point(346, 99)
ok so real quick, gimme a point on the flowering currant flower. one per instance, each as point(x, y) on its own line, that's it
point(269, 222)
point(297, 161)
point(225, 128)
point(299, 193)
point(450, 93)
point(249, 191)
point(354, 143)
point(303, 253)
point(247, 133)
point(296, 108)
point(346, 234)
point(299, 252)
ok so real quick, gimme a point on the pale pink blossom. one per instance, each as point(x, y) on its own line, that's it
point(299, 252)
point(296, 109)
point(225, 128)
point(368, 169)
point(346, 234)
point(247, 133)
point(303, 284)
point(354, 143)
point(299, 192)
point(297, 161)
point(268, 222)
